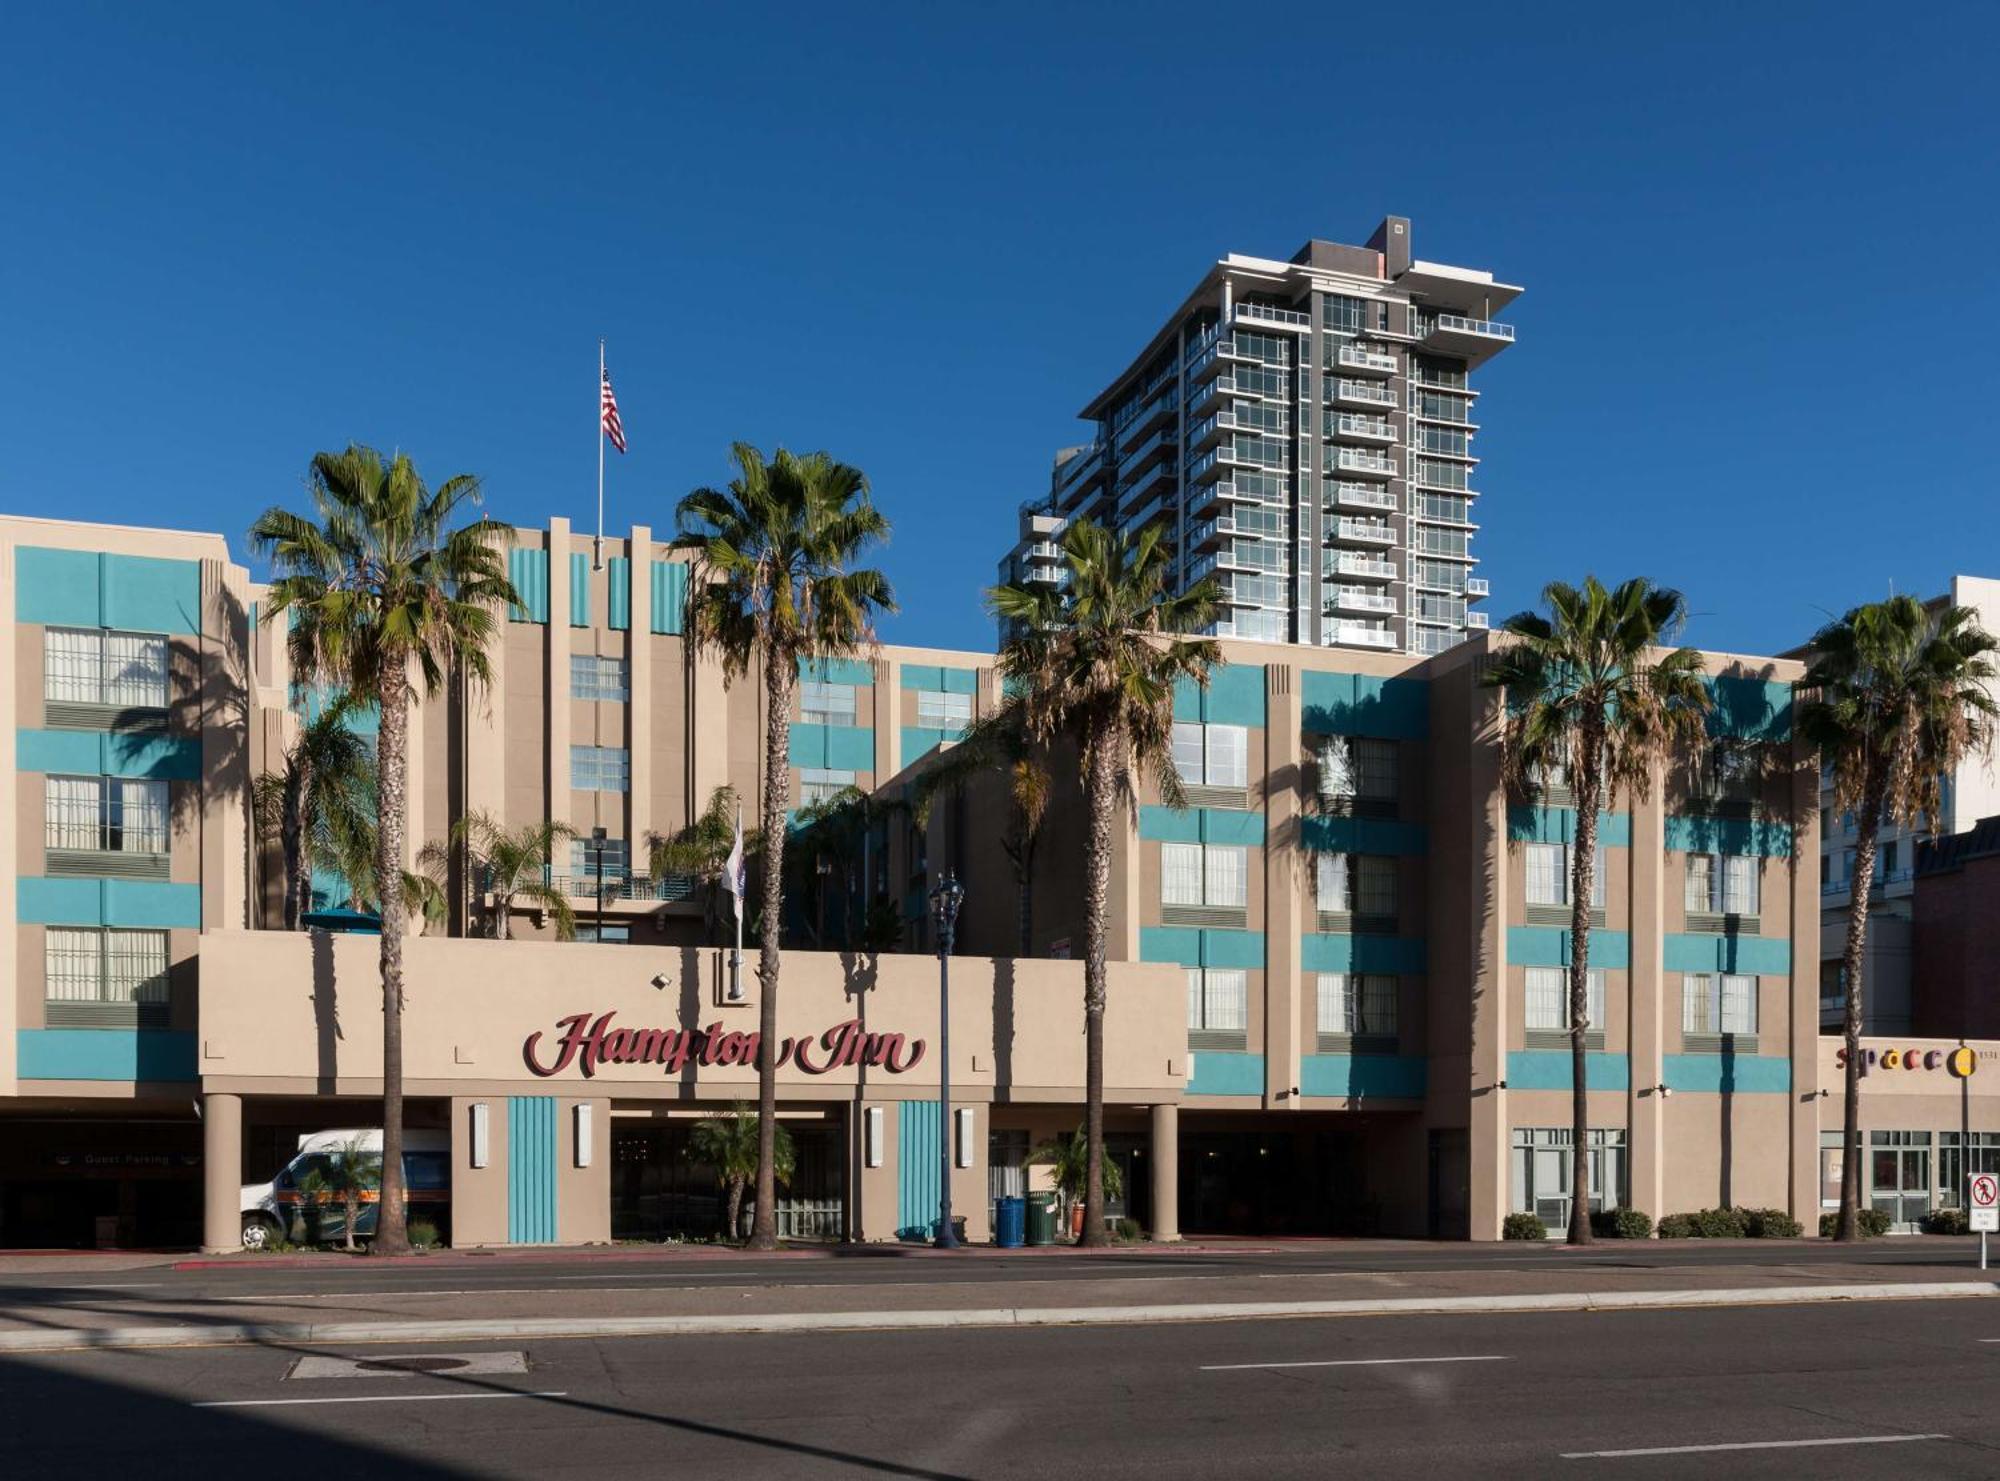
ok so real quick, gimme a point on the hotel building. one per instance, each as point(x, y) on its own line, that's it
point(1335, 998)
point(1303, 430)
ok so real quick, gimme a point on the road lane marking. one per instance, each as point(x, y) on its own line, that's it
point(1485, 1357)
point(371, 1399)
point(1750, 1445)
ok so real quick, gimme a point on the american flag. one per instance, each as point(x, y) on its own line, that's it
point(608, 404)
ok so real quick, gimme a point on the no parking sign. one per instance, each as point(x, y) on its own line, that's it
point(1985, 1202)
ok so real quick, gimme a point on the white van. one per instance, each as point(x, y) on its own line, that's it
point(278, 1208)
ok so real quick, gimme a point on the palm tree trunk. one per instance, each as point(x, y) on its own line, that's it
point(391, 1236)
point(1583, 875)
point(1107, 757)
point(735, 1209)
point(779, 669)
point(503, 912)
point(1848, 1224)
point(1024, 878)
point(292, 833)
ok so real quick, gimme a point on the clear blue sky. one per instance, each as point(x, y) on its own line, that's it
point(1756, 353)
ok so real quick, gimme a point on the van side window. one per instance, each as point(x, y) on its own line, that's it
point(426, 1170)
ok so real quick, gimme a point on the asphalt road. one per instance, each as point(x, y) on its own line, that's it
point(892, 1265)
point(1543, 1395)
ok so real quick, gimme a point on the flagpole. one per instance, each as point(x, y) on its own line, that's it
point(597, 545)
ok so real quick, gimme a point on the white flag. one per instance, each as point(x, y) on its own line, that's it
point(732, 869)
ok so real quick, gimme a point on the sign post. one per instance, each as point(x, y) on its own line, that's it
point(1983, 1204)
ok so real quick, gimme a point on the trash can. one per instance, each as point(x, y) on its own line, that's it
point(1041, 1218)
point(1010, 1222)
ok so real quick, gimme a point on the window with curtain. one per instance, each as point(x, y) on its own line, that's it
point(1722, 884)
point(93, 666)
point(1548, 999)
point(1718, 1003)
point(595, 678)
point(826, 704)
point(1360, 1005)
point(600, 769)
point(1204, 874)
point(1548, 875)
point(106, 814)
point(819, 784)
point(938, 710)
point(1218, 999)
point(105, 966)
point(1212, 755)
point(1357, 768)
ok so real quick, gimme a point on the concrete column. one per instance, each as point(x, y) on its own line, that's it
point(1485, 895)
point(1803, 986)
point(1166, 1158)
point(1284, 884)
point(639, 712)
point(888, 712)
point(556, 635)
point(1648, 1111)
point(221, 1173)
point(224, 666)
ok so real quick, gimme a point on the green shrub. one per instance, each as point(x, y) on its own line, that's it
point(1523, 1226)
point(1678, 1226)
point(1719, 1223)
point(1770, 1223)
point(1621, 1223)
point(423, 1234)
point(1129, 1232)
point(1874, 1223)
point(1944, 1221)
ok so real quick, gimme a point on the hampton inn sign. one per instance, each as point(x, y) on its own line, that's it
point(587, 1042)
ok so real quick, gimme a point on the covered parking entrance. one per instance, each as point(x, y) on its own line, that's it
point(81, 1178)
point(1311, 1173)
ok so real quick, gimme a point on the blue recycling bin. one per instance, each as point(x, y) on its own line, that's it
point(1010, 1222)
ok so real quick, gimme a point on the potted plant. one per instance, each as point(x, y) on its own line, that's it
point(1066, 1155)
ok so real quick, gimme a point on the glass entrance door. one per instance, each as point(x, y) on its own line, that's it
point(1899, 1175)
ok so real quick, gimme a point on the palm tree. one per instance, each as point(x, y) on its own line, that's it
point(998, 745)
point(1590, 699)
point(385, 592)
point(1897, 699)
point(511, 864)
point(1095, 660)
point(730, 1143)
point(701, 851)
point(831, 835)
point(318, 801)
point(1067, 1156)
point(776, 582)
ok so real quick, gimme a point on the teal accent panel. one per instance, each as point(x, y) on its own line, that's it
point(128, 753)
point(922, 676)
point(960, 681)
point(1549, 1069)
point(1361, 704)
point(82, 588)
point(1750, 709)
point(1702, 835)
point(1234, 696)
point(1403, 955)
point(1764, 956)
point(917, 1172)
point(850, 747)
point(1170, 825)
point(579, 589)
point(808, 745)
point(362, 719)
point(1392, 1076)
point(1222, 1073)
point(1548, 946)
point(104, 1054)
point(529, 571)
point(1178, 944)
point(1723, 1074)
point(1216, 825)
point(1194, 946)
point(531, 1169)
point(618, 593)
point(921, 740)
point(1363, 836)
point(1558, 825)
point(108, 902)
point(670, 592)
point(837, 670)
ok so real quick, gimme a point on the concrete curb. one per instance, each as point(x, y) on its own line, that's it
point(252, 1334)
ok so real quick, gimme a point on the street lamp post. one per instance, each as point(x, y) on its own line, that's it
point(945, 900)
point(597, 837)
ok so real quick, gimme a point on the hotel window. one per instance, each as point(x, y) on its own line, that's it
point(1218, 1000)
point(605, 934)
point(600, 769)
point(1356, 884)
point(1343, 315)
point(613, 855)
point(1541, 1171)
point(1722, 884)
point(817, 785)
point(117, 815)
point(1548, 999)
point(1548, 875)
point(1212, 755)
point(940, 711)
point(826, 704)
point(604, 679)
point(1357, 1005)
point(1204, 874)
point(1357, 769)
point(1718, 1003)
point(92, 666)
point(92, 966)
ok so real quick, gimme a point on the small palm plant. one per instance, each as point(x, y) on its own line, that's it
point(700, 851)
point(1591, 699)
point(318, 802)
point(728, 1143)
point(1095, 661)
point(355, 1171)
point(513, 866)
point(1898, 696)
point(1067, 1156)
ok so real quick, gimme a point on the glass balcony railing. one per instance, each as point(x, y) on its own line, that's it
point(1264, 313)
point(1354, 357)
point(1463, 325)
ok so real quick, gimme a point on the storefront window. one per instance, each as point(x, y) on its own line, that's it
point(1899, 1175)
point(1952, 1169)
point(1541, 1171)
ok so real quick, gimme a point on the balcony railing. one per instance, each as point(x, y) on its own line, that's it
point(1477, 586)
point(1364, 637)
point(1360, 599)
point(1354, 460)
point(1359, 495)
point(668, 888)
point(1463, 325)
point(1375, 531)
point(1264, 313)
point(1363, 565)
point(1347, 424)
point(1477, 621)
point(1356, 358)
point(1368, 391)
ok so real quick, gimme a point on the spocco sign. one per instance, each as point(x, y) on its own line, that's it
point(1959, 1063)
point(588, 1043)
